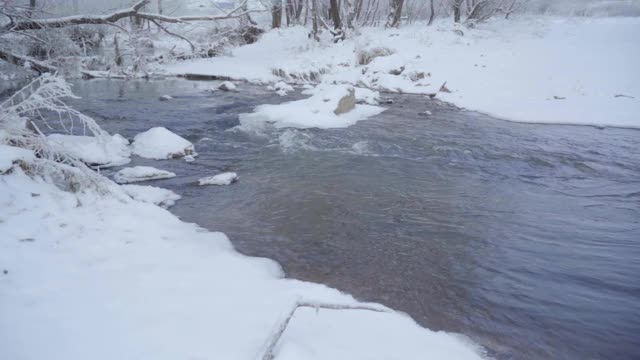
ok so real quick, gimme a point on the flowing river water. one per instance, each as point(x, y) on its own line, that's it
point(524, 237)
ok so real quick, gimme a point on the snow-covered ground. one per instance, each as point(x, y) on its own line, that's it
point(544, 70)
point(96, 275)
point(92, 151)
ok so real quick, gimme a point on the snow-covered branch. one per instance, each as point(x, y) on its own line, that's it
point(37, 24)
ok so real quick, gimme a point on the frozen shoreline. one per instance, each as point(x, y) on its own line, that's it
point(524, 69)
point(94, 274)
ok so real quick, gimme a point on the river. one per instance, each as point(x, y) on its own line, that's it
point(524, 237)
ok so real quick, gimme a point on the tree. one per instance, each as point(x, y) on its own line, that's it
point(276, 13)
point(457, 4)
point(334, 11)
point(395, 14)
point(432, 14)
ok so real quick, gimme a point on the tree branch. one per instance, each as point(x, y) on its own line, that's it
point(22, 60)
point(37, 24)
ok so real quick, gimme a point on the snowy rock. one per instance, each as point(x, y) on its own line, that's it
point(227, 86)
point(9, 155)
point(189, 158)
point(330, 106)
point(281, 85)
point(367, 96)
point(425, 113)
point(141, 173)
point(111, 151)
point(366, 55)
point(151, 194)
point(159, 143)
point(166, 97)
point(281, 92)
point(220, 179)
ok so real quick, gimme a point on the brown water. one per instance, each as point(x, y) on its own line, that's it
point(524, 237)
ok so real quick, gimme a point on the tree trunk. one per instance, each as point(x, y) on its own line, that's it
point(456, 10)
point(314, 14)
point(160, 7)
point(276, 14)
point(432, 15)
point(334, 11)
point(396, 13)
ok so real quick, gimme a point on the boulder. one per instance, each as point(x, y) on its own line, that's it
point(346, 103)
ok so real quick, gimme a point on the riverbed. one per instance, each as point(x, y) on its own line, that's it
point(523, 237)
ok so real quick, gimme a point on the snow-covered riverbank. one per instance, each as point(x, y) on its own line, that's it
point(88, 275)
point(546, 70)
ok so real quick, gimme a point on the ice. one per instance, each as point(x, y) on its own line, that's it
point(220, 179)
point(141, 173)
point(92, 151)
point(159, 143)
point(151, 194)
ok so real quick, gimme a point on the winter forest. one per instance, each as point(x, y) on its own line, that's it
point(319, 179)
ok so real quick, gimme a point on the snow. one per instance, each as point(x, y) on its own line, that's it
point(317, 111)
point(93, 151)
point(86, 276)
point(220, 179)
point(227, 86)
point(11, 154)
point(159, 143)
point(166, 97)
point(513, 69)
point(319, 334)
point(141, 173)
point(151, 194)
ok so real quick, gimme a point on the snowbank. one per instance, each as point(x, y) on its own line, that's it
point(141, 173)
point(321, 334)
point(321, 110)
point(151, 194)
point(549, 70)
point(89, 277)
point(90, 150)
point(159, 143)
point(220, 179)
point(9, 155)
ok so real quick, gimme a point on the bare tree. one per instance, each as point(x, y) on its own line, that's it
point(314, 14)
point(457, 4)
point(432, 13)
point(334, 12)
point(276, 13)
point(395, 14)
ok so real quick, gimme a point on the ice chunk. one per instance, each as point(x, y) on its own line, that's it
point(220, 179)
point(159, 143)
point(141, 173)
point(227, 86)
point(151, 194)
